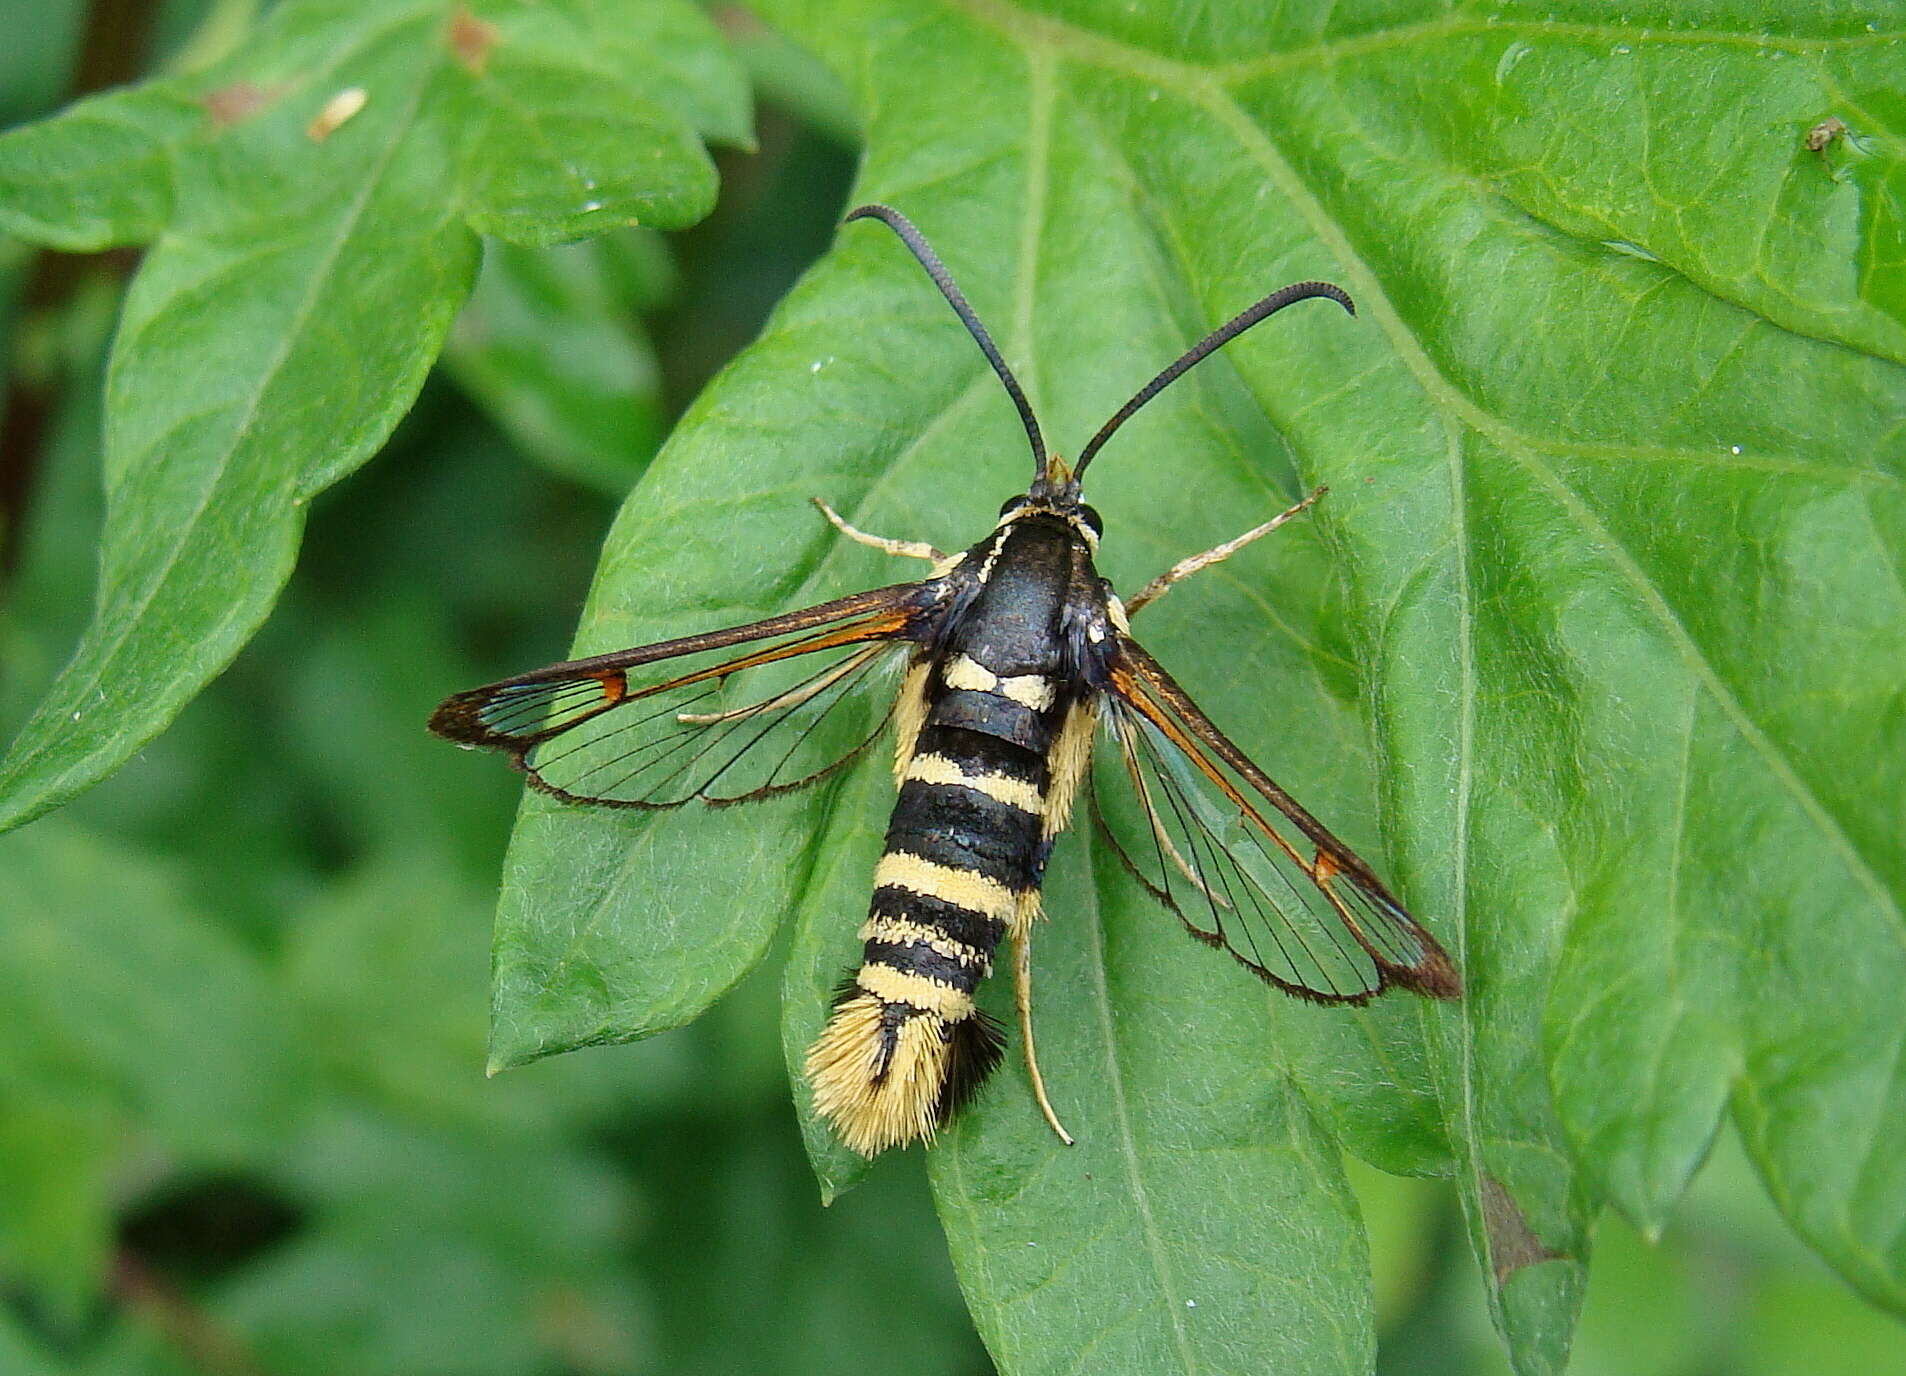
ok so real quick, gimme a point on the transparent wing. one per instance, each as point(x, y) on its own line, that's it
point(690, 720)
point(1240, 862)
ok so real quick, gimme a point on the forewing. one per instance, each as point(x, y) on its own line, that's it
point(737, 714)
point(1211, 837)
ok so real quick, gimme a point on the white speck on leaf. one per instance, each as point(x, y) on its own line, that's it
point(337, 109)
point(1511, 55)
point(588, 206)
point(1734, 448)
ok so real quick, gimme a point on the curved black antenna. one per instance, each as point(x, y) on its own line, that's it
point(1217, 339)
point(943, 279)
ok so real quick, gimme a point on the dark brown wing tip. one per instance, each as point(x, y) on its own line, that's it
point(1436, 976)
point(456, 719)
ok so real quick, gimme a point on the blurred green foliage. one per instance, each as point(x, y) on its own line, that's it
point(244, 1126)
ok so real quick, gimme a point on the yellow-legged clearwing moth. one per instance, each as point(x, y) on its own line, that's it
point(1016, 655)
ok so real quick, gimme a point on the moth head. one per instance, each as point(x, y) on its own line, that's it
point(1059, 499)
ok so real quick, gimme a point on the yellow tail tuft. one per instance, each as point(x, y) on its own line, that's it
point(879, 1078)
point(884, 1073)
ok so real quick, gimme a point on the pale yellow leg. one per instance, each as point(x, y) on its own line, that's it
point(1184, 568)
point(1022, 995)
point(906, 549)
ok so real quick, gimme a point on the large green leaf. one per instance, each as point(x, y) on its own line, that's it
point(1605, 575)
point(315, 201)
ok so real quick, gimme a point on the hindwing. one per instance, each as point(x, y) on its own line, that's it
point(1247, 869)
point(689, 719)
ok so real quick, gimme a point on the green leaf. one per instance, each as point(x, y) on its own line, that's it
point(670, 50)
point(1615, 466)
point(549, 159)
point(1200, 1191)
point(318, 245)
point(548, 348)
point(97, 174)
point(864, 391)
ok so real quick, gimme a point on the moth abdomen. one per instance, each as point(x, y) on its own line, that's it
point(906, 1043)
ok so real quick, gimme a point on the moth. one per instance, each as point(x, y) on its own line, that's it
point(1014, 659)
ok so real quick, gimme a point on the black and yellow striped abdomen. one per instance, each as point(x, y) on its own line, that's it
point(982, 727)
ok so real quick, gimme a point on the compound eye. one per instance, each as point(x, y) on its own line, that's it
point(1091, 518)
point(1012, 504)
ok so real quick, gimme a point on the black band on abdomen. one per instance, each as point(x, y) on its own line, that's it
point(975, 930)
point(965, 829)
point(990, 714)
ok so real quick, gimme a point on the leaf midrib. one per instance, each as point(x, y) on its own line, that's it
point(1126, 1136)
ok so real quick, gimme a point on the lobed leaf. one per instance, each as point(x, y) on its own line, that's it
point(1201, 1193)
point(1616, 473)
point(315, 199)
point(549, 156)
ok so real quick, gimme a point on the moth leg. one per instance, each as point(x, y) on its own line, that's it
point(1184, 568)
point(1022, 995)
point(906, 549)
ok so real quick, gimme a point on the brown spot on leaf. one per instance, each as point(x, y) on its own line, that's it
point(471, 39)
point(1824, 133)
point(736, 22)
point(1512, 1243)
point(239, 101)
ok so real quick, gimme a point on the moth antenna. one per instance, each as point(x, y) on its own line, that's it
point(922, 250)
point(1210, 344)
